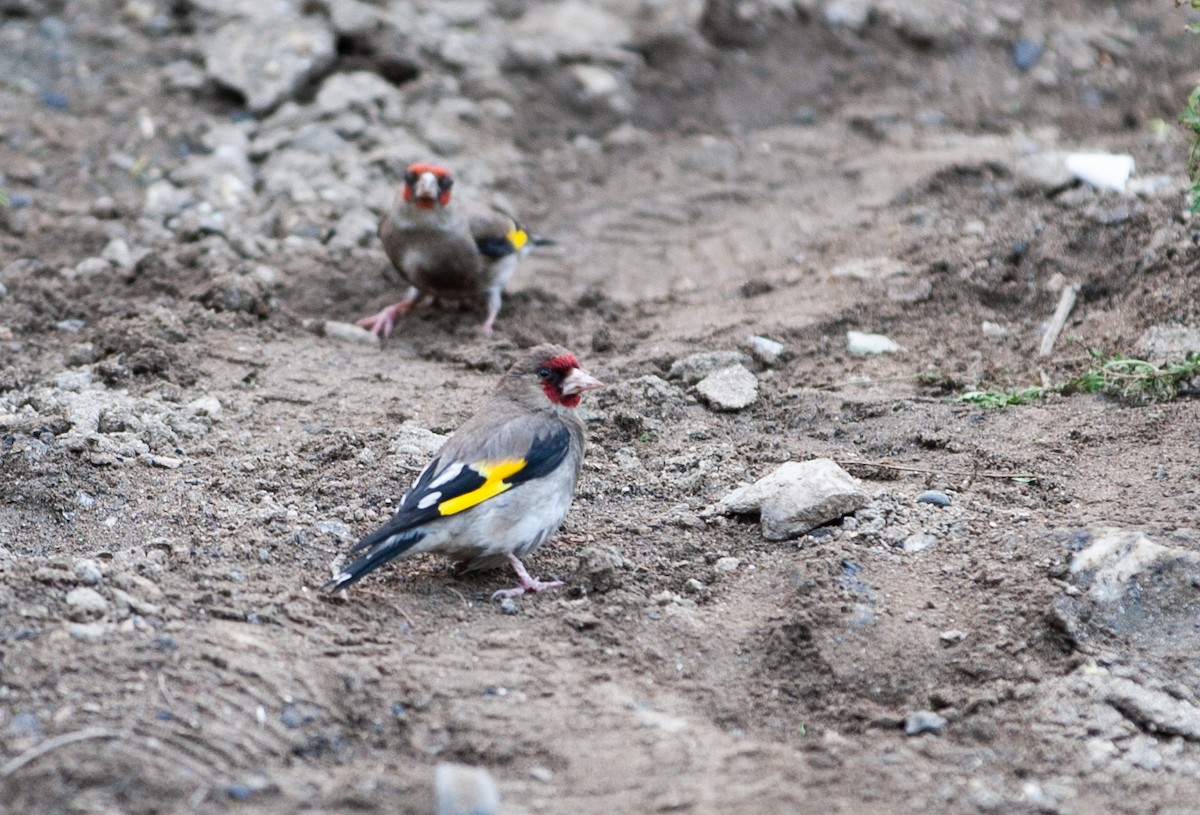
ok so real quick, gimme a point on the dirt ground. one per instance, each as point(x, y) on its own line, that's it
point(180, 438)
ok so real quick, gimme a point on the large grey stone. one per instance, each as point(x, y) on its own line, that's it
point(797, 497)
point(729, 389)
point(266, 60)
point(691, 369)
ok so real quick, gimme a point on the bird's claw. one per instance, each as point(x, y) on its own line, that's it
point(534, 586)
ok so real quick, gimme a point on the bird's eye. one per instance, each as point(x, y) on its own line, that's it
point(543, 372)
point(445, 183)
point(410, 178)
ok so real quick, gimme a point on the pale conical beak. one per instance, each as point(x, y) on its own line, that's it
point(427, 187)
point(579, 381)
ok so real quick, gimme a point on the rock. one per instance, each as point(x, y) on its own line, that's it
point(463, 790)
point(1156, 186)
point(415, 442)
point(355, 228)
point(1116, 558)
point(952, 637)
point(872, 270)
point(89, 632)
point(206, 405)
point(89, 267)
point(595, 82)
point(88, 571)
point(1169, 343)
point(796, 498)
point(1104, 171)
point(84, 604)
point(1153, 710)
point(924, 721)
point(336, 528)
point(764, 350)
point(348, 332)
point(509, 606)
point(1026, 53)
point(1043, 172)
point(727, 564)
point(266, 60)
point(73, 381)
point(729, 389)
point(993, 330)
point(118, 253)
point(851, 14)
point(600, 568)
point(858, 342)
point(934, 497)
point(360, 91)
point(163, 200)
point(1126, 584)
point(571, 30)
point(182, 75)
point(917, 542)
point(692, 369)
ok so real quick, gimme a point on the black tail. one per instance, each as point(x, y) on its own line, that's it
point(383, 545)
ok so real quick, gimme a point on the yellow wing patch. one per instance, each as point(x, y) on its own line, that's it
point(517, 237)
point(494, 473)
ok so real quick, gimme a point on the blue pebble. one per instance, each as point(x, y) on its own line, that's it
point(1026, 53)
point(934, 497)
point(54, 99)
point(19, 200)
point(239, 792)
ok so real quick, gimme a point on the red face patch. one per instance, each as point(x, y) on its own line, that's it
point(419, 168)
point(560, 367)
point(445, 182)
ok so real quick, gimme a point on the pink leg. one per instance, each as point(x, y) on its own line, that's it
point(528, 583)
point(493, 310)
point(381, 324)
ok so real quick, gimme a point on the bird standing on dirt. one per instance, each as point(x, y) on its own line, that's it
point(444, 249)
point(501, 484)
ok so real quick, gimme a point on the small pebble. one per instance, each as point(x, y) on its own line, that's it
point(508, 606)
point(1026, 53)
point(764, 350)
point(462, 790)
point(239, 792)
point(727, 564)
point(86, 604)
point(858, 342)
point(934, 497)
point(924, 721)
point(88, 572)
point(952, 637)
point(54, 99)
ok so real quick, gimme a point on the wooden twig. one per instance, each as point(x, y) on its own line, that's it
point(50, 745)
point(1066, 302)
point(928, 471)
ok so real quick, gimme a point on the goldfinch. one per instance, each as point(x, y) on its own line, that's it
point(445, 247)
point(500, 485)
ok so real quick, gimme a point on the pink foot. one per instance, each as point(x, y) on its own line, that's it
point(530, 584)
point(381, 324)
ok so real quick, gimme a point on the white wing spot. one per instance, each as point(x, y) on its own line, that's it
point(450, 474)
point(429, 500)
